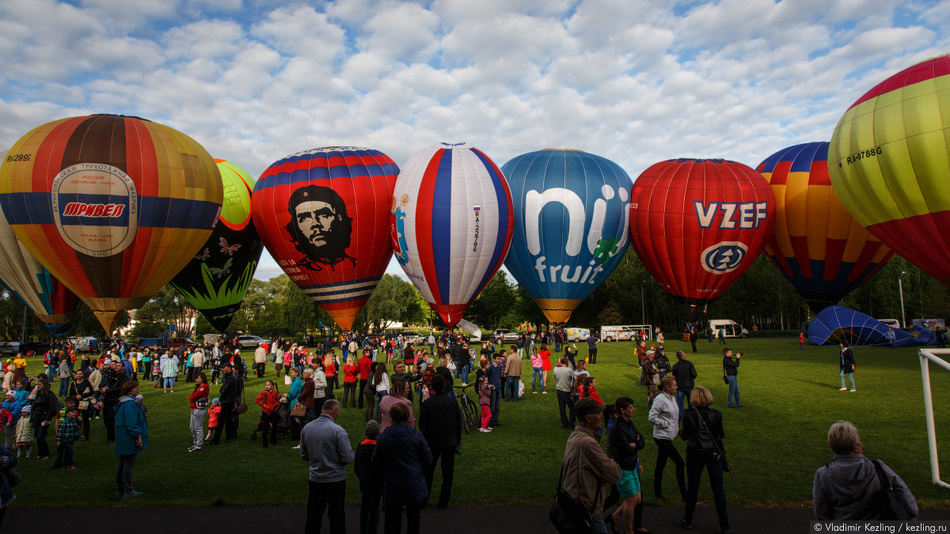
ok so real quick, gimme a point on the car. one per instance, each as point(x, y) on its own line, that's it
point(9, 347)
point(250, 342)
point(176, 342)
point(506, 336)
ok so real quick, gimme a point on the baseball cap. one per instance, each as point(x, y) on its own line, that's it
point(587, 406)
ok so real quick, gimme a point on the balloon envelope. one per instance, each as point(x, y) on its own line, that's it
point(698, 224)
point(451, 225)
point(324, 214)
point(888, 161)
point(112, 206)
point(571, 222)
point(217, 278)
point(816, 244)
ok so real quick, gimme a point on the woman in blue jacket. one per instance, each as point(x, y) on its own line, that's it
point(402, 457)
point(131, 436)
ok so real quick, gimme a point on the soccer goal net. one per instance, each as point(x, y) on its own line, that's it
point(927, 356)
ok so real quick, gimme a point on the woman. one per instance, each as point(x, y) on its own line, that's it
point(702, 430)
point(330, 370)
point(307, 396)
point(545, 355)
point(397, 395)
point(846, 365)
point(537, 366)
point(351, 374)
point(369, 392)
point(402, 458)
point(131, 436)
point(650, 379)
point(624, 443)
point(665, 415)
point(45, 407)
point(7, 462)
point(848, 488)
point(408, 357)
point(381, 383)
point(198, 402)
point(293, 396)
point(83, 392)
point(169, 373)
point(320, 394)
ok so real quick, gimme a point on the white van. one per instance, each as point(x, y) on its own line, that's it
point(732, 328)
point(623, 332)
point(577, 334)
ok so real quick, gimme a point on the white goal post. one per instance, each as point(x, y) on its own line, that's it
point(927, 356)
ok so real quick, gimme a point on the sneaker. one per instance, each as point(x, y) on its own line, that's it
point(70, 468)
point(535, 392)
point(843, 389)
point(491, 428)
point(132, 494)
point(544, 392)
point(295, 447)
point(485, 430)
point(853, 390)
point(684, 523)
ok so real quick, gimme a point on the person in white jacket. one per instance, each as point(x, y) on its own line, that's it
point(665, 418)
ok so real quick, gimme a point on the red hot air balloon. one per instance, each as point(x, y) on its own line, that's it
point(697, 225)
point(324, 216)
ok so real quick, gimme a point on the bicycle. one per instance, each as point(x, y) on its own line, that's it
point(469, 408)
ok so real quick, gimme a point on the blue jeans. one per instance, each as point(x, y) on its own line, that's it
point(511, 388)
point(495, 400)
point(683, 393)
point(379, 398)
point(850, 375)
point(733, 391)
point(535, 377)
point(465, 371)
point(63, 386)
point(710, 460)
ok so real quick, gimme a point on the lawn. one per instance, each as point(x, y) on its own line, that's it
point(775, 442)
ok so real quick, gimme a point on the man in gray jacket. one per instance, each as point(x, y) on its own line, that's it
point(326, 446)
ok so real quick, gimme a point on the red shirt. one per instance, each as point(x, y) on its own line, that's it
point(364, 363)
point(350, 373)
point(268, 400)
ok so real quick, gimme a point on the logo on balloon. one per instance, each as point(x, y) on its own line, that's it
point(724, 257)
point(95, 208)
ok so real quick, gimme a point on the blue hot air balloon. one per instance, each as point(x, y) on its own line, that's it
point(571, 225)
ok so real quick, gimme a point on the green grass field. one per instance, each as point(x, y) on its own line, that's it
point(775, 442)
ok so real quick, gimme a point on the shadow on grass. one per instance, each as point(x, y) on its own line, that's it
point(824, 385)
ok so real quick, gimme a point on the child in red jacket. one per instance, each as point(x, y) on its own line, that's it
point(268, 400)
point(213, 413)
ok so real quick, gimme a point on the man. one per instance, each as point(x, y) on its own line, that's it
point(319, 227)
point(495, 369)
point(364, 363)
point(586, 467)
point(463, 361)
point(685, 373)
point(890, 336)
point(110, 389)
point(592, 342)
point(260, 360)
point(564, 380)
point(441, 423)
point(512, 374)
point(731, 369)
point(229, 395)
point(693, 336)
point(326, 446)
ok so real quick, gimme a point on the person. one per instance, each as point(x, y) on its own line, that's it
point(849, 488)
point(45, 408)
point(801, 341)
point(11, 405)
point(890, 336)
point(371, 489)
point(703, 432)
point(564, 382)
point(730, 369)
point(397, 395)
point(319, 387)
point(7, 462)
point(402, 457)
point(198, 403)
point(293, 397)
point(693, 336)
point(110, 389)
point(24, 432)
point(592, 342)
point(131, 437)
point(440, 422)
point(624, 443)
point(722, 336)
point(229, 395)
point(545, 355)
point(380, 384)
point(650, 378)
point(319, 227)
point(213, 412)
point(66, 434)
point(846, 364)
point(685, 373)
point(81, 390)
point(665, 416)
point(364, 363)
point(586, 467)
point(268, 400)
point(169, 366)
point(661, 362)
point(512, 374)
point(484, 402)
point(536, 367)
point(326, 447)
point(494, 370)
point(351, 373)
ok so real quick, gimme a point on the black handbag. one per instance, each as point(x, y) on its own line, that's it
point(893, 506)
point(567, 515)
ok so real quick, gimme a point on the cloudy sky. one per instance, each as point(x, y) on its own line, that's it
point(636, 81)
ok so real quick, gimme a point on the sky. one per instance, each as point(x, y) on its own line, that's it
point(635, 81)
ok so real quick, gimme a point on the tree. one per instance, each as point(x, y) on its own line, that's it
point(393, 300)
point(494, 303)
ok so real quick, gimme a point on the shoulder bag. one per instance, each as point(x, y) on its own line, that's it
point(725, 462)
point(567, 515)
point(893, 506)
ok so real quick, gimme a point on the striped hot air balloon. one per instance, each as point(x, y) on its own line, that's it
point(571, 225)
point(889, 163)
point(817, 245)
point(698, 224)
point(217, 278)
point(324, 214)
point(451, 225)
point(112, 206)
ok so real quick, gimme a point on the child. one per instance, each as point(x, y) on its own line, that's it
point(370, 487)
point(66, 433)
point(213, 412)
point(24, 432)
point(268, 400)
point(484, 400)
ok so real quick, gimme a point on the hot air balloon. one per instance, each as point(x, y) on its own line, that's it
point(816, 244)
point(112, 206)
point(698, 224)
point(571, 225)
point(451, 225)
point(217, 278)
point(889, 164)
point(324, 214)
